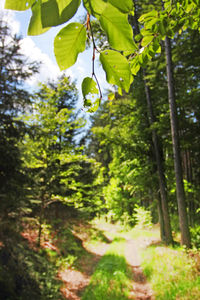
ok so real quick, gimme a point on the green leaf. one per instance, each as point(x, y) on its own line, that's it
point(135, 66)
point(117, 28)
point(89, 87)
point(56, 12)
point(146, 40)
point(68, 43)
point(150, 15)
point(18, 5)
point(95, 7)
point(35, 25)
point(124, 6)
point(117, 69)
point(94, 106)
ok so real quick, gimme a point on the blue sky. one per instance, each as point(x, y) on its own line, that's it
point(41, 48)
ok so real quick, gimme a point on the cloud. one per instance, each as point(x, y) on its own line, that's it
point(48, 70)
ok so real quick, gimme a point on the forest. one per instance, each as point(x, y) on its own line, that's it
point(101, 202)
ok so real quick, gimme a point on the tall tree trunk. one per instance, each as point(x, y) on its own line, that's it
point(183, 219)
point(160, 169)
point(161, 219)
point(159, 161)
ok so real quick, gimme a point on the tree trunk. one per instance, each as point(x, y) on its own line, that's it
point(183, 220)
point(159, 160)
point(161, 219)
point(160, 169)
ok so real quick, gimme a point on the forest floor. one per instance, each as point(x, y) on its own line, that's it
point(75, 281)
point(98, 260)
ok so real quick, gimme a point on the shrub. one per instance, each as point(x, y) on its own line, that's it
point(143, 218)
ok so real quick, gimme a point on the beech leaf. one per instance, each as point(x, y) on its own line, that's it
point(68, 43)
point(18, 5)
point(117, 69)
point(125, 6)
point(56, 12)
point(35, 25)
point(117, 28)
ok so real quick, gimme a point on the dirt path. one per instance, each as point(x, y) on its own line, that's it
point(141, 288)
point(76, 281)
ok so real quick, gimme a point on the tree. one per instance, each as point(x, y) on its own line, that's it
point(51, 156)
point(14, 99)
point(128, 55)
point(185, 234)
point(163, 208)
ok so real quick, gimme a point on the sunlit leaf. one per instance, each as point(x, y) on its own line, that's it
point(35, 25)
point(89, 91)
point(148, 16)
point(117, 28)
point(125, 6)
point(56, 12)
point(89, 87)
point(94, 106)
point(146, 40)
point(95, 7)
point(68, 43)
point(117, 69)
point(18, 5)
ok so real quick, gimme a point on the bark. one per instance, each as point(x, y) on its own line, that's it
point(159, 161)
point(183, 219)
point(160, 169)
point(161, 220)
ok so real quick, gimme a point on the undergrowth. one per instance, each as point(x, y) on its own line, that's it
point(172, 273)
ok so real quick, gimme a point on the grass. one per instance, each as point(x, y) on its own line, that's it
point(111, 279)
point(172, 273)
point(119, 230)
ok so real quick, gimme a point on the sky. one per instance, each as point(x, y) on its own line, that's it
point(41, 48)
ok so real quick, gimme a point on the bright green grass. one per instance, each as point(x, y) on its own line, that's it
point(111, 280)
point(119, 230)
point(171, 273)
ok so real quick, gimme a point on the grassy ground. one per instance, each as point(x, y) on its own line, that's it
point(173, 273)
point(112, 279)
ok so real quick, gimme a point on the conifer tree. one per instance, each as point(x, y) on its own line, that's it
point(14, 99)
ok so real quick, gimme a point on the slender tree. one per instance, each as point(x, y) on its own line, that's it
point(159, 160)
point(183, 218)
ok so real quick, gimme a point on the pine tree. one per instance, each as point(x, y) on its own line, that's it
point(14, 99)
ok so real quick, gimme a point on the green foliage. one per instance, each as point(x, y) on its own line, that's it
point(113, 17)
point(117, 28)
point(54, 13)
point(14, 99)
point(69, 42)
point(172, 273)
point(89, 91)
point(26, 274)
point(35, 25)
point(142, 217)
point(117, 69)
point(195, 236)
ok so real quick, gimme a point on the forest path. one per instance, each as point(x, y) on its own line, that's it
point(141, 288)
point(75, 281)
